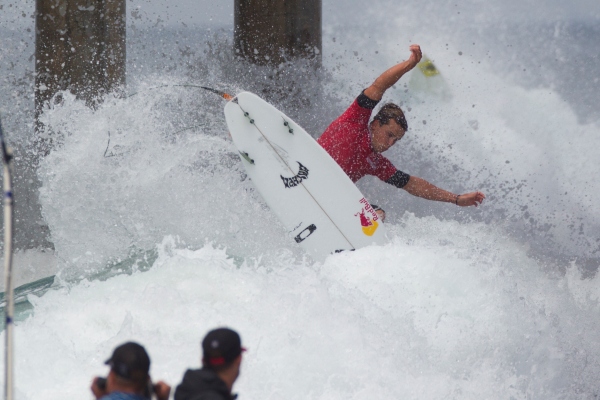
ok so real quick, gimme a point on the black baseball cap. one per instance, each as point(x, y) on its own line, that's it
point(220, 347)
point(130, 361)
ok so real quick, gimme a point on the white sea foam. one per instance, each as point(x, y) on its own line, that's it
point(106, 195)
point(463, 312)
point(128, 173)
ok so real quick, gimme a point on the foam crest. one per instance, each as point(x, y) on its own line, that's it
point(420, 317)
point(119, 179)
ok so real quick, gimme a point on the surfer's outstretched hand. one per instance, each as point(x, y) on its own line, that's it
point(470, 199)
point(415, 55)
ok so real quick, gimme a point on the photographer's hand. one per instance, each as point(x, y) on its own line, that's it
point(162, 390)
point(97, 389)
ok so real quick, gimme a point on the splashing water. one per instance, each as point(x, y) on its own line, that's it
point(495, 302)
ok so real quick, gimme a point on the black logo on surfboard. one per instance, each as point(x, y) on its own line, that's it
point(297, 179)
point(306, 232)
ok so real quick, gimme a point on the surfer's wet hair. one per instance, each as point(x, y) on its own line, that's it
point(389, 112)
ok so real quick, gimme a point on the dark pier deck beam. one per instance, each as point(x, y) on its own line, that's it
point(269, 31)
point(80, 46)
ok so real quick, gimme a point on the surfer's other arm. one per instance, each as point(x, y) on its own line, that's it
point(421, 188)
point(392, 75)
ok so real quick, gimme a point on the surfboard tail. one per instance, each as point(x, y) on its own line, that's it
point(224, 95)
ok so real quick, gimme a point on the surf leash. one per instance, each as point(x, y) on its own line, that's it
point(220, 93)
point(224, 95)
point(9, 307)
point(165, 86)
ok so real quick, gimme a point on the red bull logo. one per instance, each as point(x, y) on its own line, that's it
point(368, 218)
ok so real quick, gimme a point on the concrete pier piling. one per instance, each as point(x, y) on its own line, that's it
point(80, 46)
point(271, 31)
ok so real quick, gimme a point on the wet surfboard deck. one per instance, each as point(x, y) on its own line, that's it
point(320, 207)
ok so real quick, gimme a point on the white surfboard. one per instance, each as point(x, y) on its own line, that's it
point(321, 208)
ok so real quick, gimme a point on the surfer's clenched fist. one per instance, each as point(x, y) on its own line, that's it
point(415, 54)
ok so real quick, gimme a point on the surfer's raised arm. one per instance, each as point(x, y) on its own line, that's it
point(392, 75)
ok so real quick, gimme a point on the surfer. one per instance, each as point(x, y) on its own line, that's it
point(356, 145)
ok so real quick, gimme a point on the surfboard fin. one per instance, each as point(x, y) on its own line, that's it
point(287, 125)
point(224, 95)
point(246, 157)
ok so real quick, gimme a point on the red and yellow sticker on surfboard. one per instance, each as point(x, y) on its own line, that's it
point(368, 218)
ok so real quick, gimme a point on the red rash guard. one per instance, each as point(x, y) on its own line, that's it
point(348, 142)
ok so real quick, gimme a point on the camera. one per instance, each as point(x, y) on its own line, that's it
point(101, 383)
point(149, 390)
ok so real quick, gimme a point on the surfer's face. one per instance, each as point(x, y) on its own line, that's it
point(381, 214)
point(384, 136)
